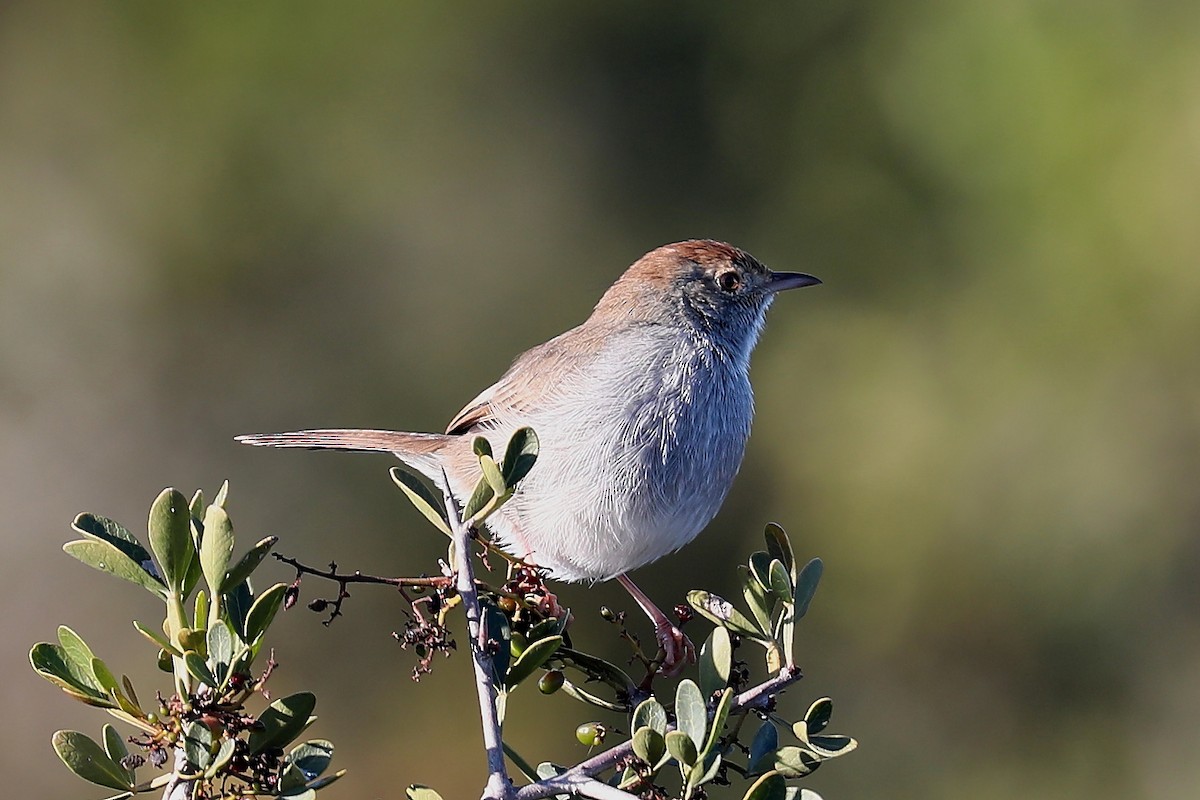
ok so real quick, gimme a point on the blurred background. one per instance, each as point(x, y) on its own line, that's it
point(226, 218)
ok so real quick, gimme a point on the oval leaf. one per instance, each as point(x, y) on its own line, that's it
point(818, 715)
point(114, 748)
point(763, 747)
point(528, 662)
point(107, 558)
point(51, 662)
point(806, 585)
point(170, 527)
point(197, 745)
point(681, 747)
point(520, 455)
point(87, 760)
point(793, 762)
point(199, 669)
point(716, 659)
point(282, 721)
point(724, 705)
point(780, 547)
point(216, 547)
point(649, 745)
point(719, 610)
point(247, 564)
point(650, 713)
point(492, 474)
point(223, 756)
point(771, 786)
point(419, 495)
point(781, 584)
point(103, 529)
point(312, 758)
point(263, 611)
point(690, 711)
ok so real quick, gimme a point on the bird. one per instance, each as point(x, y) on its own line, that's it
point(642, 413)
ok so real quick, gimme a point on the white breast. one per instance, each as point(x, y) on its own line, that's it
point(637, 455)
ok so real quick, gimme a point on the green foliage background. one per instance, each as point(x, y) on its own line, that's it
point(224, 218)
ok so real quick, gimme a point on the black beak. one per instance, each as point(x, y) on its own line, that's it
point(790, 280)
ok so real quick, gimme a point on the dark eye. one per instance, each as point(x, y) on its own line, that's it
point(729, 281)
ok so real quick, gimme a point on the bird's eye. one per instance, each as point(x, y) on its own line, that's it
point(729, 281)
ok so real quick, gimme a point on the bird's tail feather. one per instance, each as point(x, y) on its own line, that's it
point(367, 441)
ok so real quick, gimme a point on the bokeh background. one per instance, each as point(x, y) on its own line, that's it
point(221, 218)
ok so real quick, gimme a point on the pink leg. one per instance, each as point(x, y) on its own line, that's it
point(678, 647)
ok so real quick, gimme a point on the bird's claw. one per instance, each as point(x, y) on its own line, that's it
point(678, 650)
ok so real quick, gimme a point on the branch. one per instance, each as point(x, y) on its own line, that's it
point(573, 781)
point(499, 787)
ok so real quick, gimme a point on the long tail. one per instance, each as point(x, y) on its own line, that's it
point(417, 449)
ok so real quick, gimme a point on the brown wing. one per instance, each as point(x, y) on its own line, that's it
point(533, 375)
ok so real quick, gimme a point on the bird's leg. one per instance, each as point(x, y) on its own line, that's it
point(678, 647)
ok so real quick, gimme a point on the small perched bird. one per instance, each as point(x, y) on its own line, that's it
point(642, 414)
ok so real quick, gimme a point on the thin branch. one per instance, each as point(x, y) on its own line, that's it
point(499, 787)
point(572, 781)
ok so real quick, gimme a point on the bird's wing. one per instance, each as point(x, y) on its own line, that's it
point(534, 375)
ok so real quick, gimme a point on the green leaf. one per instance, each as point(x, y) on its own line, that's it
point(222, 496)
point(705, 769)
point(720, 611)
point(682, 748)
point(418, 792)
point(419, 495)
point(760, 568)
point(795, 762)
point(806, 585)
point(649, 745)
point(197, 745)
point(171, 536)
point(107, 558)
point(818, 715)
point(535, 656)
point(247, 564)
point(199, 669)
point(114, 748)
point(102, 529)
point(104, 677)
point(781, 584)
point(51, 662)
point(757, 600)
point(780, 547)
point(222, 758)
point(690, 712)
point(650, 713)
point(282, 721)
point(220, 650)
point(312, 758)
point(716, 660)
point(237, 604)
point(769, 787)
point(492, 474)
point(263, 611)
point(599, 669)
point(200, 615)
point(291, 779)
point(584, 696)
point(158, 639)
point(87, 760)
point(216, 547)
point(478, 500)
point(321, 783)
point(80, 656)
point(720, 715)
point(762, 748)
point(496, 628)
point(831, 746)
point(520, 455)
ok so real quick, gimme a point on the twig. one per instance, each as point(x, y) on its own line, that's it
point(498, 787)
point(572, 781)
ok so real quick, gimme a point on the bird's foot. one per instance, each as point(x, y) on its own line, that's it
point(678, 650)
